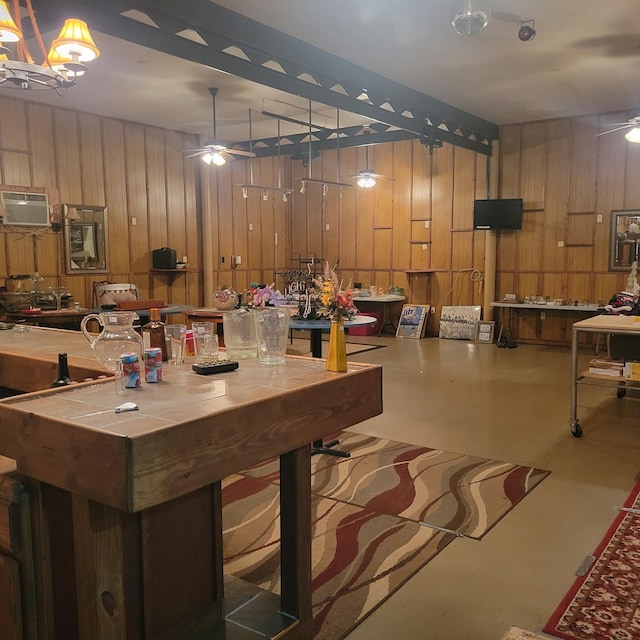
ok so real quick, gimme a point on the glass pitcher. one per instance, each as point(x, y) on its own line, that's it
point(240, 334)
point(117, 337)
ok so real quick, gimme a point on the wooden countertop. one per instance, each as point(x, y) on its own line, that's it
point(189, 432)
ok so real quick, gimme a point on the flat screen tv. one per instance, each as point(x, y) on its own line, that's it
point(503, 213)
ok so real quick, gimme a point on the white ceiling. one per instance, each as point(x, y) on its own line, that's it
point(585, 59)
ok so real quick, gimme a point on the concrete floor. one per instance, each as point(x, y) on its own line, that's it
point(511, 405)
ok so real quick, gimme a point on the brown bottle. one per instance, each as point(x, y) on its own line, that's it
point(153, 333)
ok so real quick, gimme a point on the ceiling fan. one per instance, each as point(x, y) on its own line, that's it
point(633, 124)
point(214, 151)
point(367, 177)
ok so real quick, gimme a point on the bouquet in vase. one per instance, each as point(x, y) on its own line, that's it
point(333, 301)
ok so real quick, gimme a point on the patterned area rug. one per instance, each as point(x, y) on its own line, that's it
point(515, 633)
point(605, 603)
point(367, 535)
point(453, 491)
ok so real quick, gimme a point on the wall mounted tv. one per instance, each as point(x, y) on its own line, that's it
point(503, 213)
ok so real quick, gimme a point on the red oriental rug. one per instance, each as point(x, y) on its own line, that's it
point(604, 604)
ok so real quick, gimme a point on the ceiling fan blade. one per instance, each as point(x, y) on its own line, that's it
point(241, 152)
point(201, 152)
point(626, 126)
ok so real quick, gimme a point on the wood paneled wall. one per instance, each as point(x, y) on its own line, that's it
point(139, 173)
point(413, 231)
point(568, 177)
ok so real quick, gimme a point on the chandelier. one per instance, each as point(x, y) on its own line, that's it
point(61, 66)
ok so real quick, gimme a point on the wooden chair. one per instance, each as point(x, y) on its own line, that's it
point(107, 293)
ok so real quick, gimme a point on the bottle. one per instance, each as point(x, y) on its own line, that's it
point(153, 333)
point(63, 378)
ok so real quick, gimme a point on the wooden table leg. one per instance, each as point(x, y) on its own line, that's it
point(295, 530)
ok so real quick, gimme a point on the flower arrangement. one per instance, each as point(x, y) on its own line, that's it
point(334, 302)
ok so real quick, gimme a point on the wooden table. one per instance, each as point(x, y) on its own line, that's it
point(208, 315)
point(62, 319)
point(131, 503)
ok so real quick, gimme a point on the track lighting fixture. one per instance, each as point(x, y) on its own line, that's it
point(527, 31)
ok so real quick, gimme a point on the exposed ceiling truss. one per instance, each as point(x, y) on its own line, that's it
point(206, 33)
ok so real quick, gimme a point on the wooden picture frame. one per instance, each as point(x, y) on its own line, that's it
point(413, 321)
point(485, 330)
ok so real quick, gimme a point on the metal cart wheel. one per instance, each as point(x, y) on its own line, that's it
point(576, 430)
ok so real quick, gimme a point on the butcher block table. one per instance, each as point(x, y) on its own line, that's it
point(131, 502)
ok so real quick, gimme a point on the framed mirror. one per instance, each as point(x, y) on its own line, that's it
point(85, 238)
point(624, 247)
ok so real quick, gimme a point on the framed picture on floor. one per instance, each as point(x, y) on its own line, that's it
point(459, 322)
point(413, 321)
point(484, 331)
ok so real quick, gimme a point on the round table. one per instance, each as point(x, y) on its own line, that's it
point(317, 325)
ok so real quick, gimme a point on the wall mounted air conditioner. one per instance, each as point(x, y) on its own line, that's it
point(24, 209)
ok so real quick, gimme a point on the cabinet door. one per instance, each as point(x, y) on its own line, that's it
point(10, 607)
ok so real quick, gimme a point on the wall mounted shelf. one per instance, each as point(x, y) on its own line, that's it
point(171, 273)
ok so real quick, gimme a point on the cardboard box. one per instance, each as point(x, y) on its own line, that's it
point(632, 370)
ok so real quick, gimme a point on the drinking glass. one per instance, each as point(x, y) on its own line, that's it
point(58, 292)
point(206, 342)
point(176, 339)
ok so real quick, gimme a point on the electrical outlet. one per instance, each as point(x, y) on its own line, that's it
point(424, 246)
point(543, 315)
point(433, 310)
point(134, 222)
point(427, 224)
point(560, 243)
point(184, 259)
point(238, 260)
point(599, 218)
point(250, 227)
point(327, 227)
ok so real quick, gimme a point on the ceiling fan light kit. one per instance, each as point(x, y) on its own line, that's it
point(633, 135)
point(470, 17)
point(214, 152)
point(61, 66)
point(366, 180)
point(633, 124)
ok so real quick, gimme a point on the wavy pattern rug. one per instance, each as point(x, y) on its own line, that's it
point(605, 602)
point(368, 533)
point(453, 491)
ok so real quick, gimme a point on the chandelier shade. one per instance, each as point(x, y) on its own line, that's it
point(9, 31)
point(60, 67)
point(75, 42)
